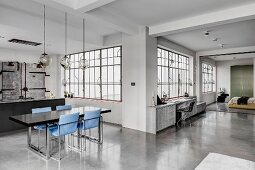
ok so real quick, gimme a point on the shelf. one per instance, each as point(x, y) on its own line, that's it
point(6, 71)
point(7, 89)
point(36, 88)
point(38, 72)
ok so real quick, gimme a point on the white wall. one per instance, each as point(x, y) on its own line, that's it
point(223, 72)
point(134, 70)
point(116, 108)
point(33, 57)
point(175, 47)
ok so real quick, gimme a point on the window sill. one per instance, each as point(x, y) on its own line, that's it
point(209, 92)
point(95, 100)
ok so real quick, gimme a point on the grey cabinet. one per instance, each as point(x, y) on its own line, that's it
point(165, 116)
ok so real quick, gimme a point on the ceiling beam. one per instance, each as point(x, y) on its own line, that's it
point(241, 13)
point(118, 26)
point(85, 6)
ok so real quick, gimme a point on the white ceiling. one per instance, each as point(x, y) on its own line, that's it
point(240, 34)
point(23, 19)
point(152, 12)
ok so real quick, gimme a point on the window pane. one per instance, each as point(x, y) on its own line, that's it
point(110, 74)
point(117, 72)
point(104, 74)
point(104, 92)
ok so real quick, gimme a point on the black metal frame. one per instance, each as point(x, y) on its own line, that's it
point(175, 85)
point(91, 57)
point(210, 87)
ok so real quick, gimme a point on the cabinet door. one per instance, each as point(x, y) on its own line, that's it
point(242, 81)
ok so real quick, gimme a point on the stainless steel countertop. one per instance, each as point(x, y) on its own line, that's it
point(26, 100)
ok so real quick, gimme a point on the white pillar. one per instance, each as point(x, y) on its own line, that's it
point(139, 66)
point(253, 76)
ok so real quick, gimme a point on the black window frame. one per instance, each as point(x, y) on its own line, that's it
point(81, 80)
point(175, 88)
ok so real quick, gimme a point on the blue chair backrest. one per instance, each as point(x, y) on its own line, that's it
point(41, 110)
point(68, 123)
point(64, 107)
point(91, 119)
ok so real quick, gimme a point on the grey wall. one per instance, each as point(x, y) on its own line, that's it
point(16, 76)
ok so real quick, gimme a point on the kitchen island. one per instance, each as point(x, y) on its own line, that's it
point(19, 107)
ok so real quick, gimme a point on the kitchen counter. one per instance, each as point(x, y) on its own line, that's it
point(28, 100)
point(20, 107)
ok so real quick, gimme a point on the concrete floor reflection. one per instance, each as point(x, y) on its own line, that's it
point(183, 148)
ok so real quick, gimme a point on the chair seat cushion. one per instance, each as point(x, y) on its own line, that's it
point(86, 127)
point(43, 126)
point(55, 132)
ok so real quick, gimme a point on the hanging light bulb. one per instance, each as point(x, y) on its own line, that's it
point(83, 63)
point(45, 59)
point(65, 61)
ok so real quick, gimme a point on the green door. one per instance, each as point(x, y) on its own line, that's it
point(242, 81)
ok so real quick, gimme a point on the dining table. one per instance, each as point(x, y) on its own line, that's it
point(30, 120)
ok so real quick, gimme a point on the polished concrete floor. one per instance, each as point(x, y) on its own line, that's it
point(174, 149)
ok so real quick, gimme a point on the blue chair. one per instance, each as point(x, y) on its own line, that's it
point(67, 125)
point(91, 120)
point(42, 127)
point(64, 107)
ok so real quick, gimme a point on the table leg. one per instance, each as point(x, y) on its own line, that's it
point(47, 142)
point(78, 138)
point(28, 136)
point(100, 130)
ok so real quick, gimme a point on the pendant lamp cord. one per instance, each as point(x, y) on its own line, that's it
point(65, 34)
point(83, 45)
point(83, 40)
point(44, 33)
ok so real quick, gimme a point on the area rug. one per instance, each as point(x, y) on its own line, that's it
point(215, 161)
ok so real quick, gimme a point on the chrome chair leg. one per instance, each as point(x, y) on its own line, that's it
point(102, 129)
point(85, 140)
point(80, 140)
point(59, 147)
point(38, 142)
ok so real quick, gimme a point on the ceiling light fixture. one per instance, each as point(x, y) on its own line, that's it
point(2, 36)
point(215, 39)
point(221, 45)
point(45, 59)
point(206, 33)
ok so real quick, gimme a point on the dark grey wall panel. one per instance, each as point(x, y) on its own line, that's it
point(22, 80)
point(22, 107)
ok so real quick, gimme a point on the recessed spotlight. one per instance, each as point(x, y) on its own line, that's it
point(215, 39)
point(221, 45)
point(207, 33)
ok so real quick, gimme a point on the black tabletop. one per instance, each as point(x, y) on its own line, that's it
point(51, 117)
